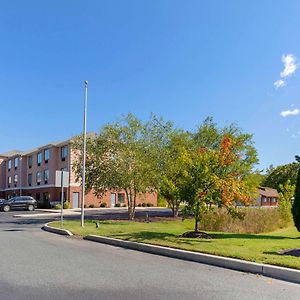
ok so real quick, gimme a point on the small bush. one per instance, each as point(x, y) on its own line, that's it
point(92, 206)
point(139, 205)
point(103, 204)
point(161, 201)
point(149, 204)
point(143, 204)
point(85, 206)
point(124, 205)
point(57, 206)
point(66, 205)
point(118, 205)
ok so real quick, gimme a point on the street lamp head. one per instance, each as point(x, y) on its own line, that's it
point(86, 82)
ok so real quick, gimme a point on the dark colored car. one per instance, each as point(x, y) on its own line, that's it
point(19, 202)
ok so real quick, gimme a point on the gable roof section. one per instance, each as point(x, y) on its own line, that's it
point(11, 153)
point(268, 192)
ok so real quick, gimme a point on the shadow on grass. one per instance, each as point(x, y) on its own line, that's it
point(144, 236)
point(248, 236)
point(272, 253)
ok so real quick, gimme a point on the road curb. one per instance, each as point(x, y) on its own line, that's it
point(281, 273)
point(60, 231)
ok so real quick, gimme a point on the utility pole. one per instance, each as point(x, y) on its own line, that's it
point(84, 152)
point(20, 163)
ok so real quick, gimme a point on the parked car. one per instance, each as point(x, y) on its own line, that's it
point(25, 202)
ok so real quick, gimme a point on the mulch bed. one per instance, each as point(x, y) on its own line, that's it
point(193, 235)
point(292, 252)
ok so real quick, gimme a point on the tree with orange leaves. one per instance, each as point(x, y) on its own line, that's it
point(220, 172)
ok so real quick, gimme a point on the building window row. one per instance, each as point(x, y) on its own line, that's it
point(39, 177)
point(16, 163)
point(39, 158)
point(9, 180)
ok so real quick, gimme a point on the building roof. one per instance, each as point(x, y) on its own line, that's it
point(11, 153)
point(268, 192)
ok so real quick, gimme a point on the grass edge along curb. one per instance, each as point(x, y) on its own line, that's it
point(276, 272)
point(60, 231)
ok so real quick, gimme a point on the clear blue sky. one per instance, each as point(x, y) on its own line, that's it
point(183, 60)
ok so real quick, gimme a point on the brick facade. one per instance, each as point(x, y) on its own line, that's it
point(34, 173)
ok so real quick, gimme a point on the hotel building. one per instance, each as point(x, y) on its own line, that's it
point(32, 173)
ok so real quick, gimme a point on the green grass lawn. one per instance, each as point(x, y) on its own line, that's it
point(253, 247)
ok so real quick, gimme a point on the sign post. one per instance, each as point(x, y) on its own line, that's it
point(62, 181)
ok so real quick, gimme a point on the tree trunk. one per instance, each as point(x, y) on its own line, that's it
point(134, 205)
point(196, 225)
point(197, 217)
point(129, 198)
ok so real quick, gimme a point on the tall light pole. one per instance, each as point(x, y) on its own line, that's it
point(84, 152)
point(20, 162)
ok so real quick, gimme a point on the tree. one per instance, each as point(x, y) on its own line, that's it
point(219, 172)
point(286, 193)
point(173, 169)
point(296, 203)
point(280, 175)
point(120, 158)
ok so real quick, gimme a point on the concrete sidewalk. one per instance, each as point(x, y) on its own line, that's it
point(77, 211)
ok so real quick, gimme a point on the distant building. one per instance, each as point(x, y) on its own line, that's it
point(267, 196)
point(33, 173)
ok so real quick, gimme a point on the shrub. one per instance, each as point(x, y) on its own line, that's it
point(124, 205)
point(255, 220)
point(143, 204)
point(118, 205)
point(92, 206)
point(57, 206)
point(161, 201)
point(139, 205)
point(149, 204)
point(103, 204)
point(66, 205)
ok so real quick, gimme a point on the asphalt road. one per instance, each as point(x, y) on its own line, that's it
point(39, 265)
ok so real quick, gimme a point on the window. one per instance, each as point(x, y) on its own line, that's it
point(30, 179)
point(46, 176)
point(9, 181)
point(39, 158)
point(38, 197)
point(265, 199)
point(121, 198)
point(46, 196)
point(38, 178)
point(16, 162)
point(9, 165)
point(46, 155)
point(64, 152)
point(29, 162)
point(16, 179)
point(65, 196)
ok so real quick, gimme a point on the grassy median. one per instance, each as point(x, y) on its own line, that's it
point(261, 248)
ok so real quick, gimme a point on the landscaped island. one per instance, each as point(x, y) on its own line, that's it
point(262, 248)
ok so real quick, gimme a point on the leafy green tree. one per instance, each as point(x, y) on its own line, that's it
point(120, 158)
point(296, 203)
point(280, 175)
point(173, 169)
point(286, 193)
